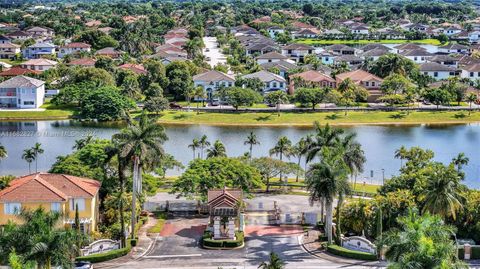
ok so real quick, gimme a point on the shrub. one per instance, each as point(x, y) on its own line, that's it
point(110, 255)
point(213, 243)
point(133, 242)
point(208, 242)
point(322, 238)
point(353, 254)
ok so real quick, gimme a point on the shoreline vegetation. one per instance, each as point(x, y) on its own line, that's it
point(270, 119)
point(315, 41)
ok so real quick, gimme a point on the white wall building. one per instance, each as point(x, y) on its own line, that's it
point(271, 81)
point(22, 92)
point(211, 81)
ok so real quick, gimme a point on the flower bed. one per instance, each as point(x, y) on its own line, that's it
point(347, 253)
point(208, 242)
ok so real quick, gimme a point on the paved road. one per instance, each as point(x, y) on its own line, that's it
point(213, 54)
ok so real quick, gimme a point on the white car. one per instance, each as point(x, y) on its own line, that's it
point(83, 265)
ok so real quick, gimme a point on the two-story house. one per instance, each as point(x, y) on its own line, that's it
point(53, 192)
point(22, 92)
point(340, 49)
point(39, 64)
point(364, 79)
point(453, 48)
point(438, 71)
point(40, 32)
point(472, 72)
point(211, 81)
point(416, 55)
point(9, 50)
point(73, 48)
point(39, 50)
point(311, 78)
point(271, 57)
point(297, 52)
point(271, 81)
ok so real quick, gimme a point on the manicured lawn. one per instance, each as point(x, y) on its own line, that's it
point(51, 112)
point(157, 228)
point(313, 41)
point(307, 118)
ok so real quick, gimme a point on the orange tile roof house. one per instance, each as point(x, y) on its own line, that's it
point(109, 52)
point(311, 78)
point(369, 81)
point(85, 62)
point(54, 192)
point(136, 68)
point(73, 48)
point(39, 64)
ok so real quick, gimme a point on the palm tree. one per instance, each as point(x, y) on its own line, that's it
point(251, 141)
point(471, 98)
point(300, 149)
point(37, 150)
point(217, 150)
point(141, 142)
point(195, 144)
point(3, 152)
point(347, 88)
point(324, 182)
point(203, 144)
point(324, 137)
point(460, 161)
point(400, 154)
point(282, 148)
point(353, 156)
point(274, 263)
point(81, 143)
point(442, 195)
point(29, 156)
point(199, 93)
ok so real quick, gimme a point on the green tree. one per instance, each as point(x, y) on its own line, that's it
point(269, 167)
point(471, 98)
point(180, 79)
point(276, 99)
point(282, 148)
point(422, 242)
point(195, 145)
point(274, 262)
point(460, 160)
point(3, 152)
point(310, 96)
point(438, 96)
point(29, 156)
point(394, 64)
point(350, 93)
point(105, 104)
point(251, 141)
point(237, 97)
point(204, 143)
point(217, 150)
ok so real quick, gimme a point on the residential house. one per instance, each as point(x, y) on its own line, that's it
point(340, 49)
point(453, 48)
point(18, 71)
point(474, 36)
point(73, 48)
point(211, 81)
point(408, 46)
point(83, 62)
point(109, 52)
point(465, 60)
point(327, 57)
point(416, 27)
point(21, 92)
point(350, 60)
point(271, 81)
point(39, 64)
point(360, 30)
point(39, 50)
point(40, 32)
point(471, 72)
point(444, 59)
point(310, 78)
point(416, 55)
point(55, 193)
point(450, 31)
point(171, 50)
point(283, 67)
point(387, 33)
point(19, 35)
point(273, 31)
point(333, 34)
point(169, 59)
point(135, 68)
point(364, 79)
point(307, 33)
point(9, 50)
point(271, 57)
point(374, 54)
point(438, 71)
point(5, 39)
point(373, 46)
point(297, 52)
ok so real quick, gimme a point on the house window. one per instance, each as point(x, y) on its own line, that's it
point(33, 91)
point(12, 208)
point(80, 202)
point(422, 58)
point(55, 207)
point(435, 74)
point(40, 67)
point(28, 103)
point(230, 84)
point(367, 83)
point(415, 58)
point(373, 83)
point(452, 73)
point(289, 52)
point(274, 84)
point(471, 74)
point(281, 84)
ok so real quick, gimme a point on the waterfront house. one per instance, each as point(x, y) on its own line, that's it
point(471, 72)
point(408, 46)
point(73, 48)
point(438, 71)
point(22, 92)
point(271, 57)
point(39, 50)
point(297, 52)
point(311, 78)
point(364, 79)
point(39, 64)
point(453, 48)
point(416, 55)
point(373, 46)
point(271, 81)
point(53, 192)
point(211, 81)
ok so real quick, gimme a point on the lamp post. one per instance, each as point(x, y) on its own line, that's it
point(383, 176)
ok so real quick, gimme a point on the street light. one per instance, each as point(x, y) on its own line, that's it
point(383, 176)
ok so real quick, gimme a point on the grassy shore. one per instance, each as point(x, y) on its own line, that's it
point(306, 119)
point(314, 41)
point(51, 112)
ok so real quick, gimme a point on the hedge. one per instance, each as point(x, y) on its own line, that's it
point(106, 256)
point(207, 241)
point(353, 254)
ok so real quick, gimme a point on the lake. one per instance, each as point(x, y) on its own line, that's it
point(379, 143)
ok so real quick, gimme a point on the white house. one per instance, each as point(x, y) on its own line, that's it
point(438, 71)
point(22, 92)
point(271, 81)
point(274, 31)
point(211, 81)
point(39, 64)
point(474, 36)
point(360, 30)
point(9, 50)
point(471, 72)
point(416, 55)
point(39, 50)
point(73, 48)
point(271, 57)
point(452, 31)
point(453, 48)
point(297, 52)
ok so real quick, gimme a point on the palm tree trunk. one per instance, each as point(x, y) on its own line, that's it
point(251, 148)
point(338, 232)
point(29, 170)
point(280, 175)
point(134, 196)
point(121, 177)
point(329, 221)
point(36, 165)
point(194, 154)
point(355, 184)
point(322, 210)
point(268, 184)
point(298, 168)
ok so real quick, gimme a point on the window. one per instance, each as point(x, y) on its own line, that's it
point(55, 207)
point(274, 84)
point(373, 83)
point(33, 91)
point(28, 103)
point(415, 58)
point(40, 67)
point(12, 208)
point(367, 83)
point(452, 73)
point(435, 74)
point(281, 84)
point(471, 74)
point(78, 201)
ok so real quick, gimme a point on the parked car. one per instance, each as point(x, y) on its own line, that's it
point(174, 105)
point(207, 50)
point(83, 265)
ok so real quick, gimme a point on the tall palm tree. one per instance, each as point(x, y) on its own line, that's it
point(300, 149)
point(195, 144)
point(81, 143)
point(251, 141)
point(37, 150)
point(324, 137)
point(140, 142)
point(400, 154)
point(460, 161)
point(442, 195)
point(274, 263)
point(353, 156)
point(29, 156)
point(204, 143)
point(3, 152)
point(199, 93)
point(471, 98)
point(217, 150)
point(324, 182)
point(282, 148)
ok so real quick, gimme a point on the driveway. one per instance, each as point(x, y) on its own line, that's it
point(213, 54)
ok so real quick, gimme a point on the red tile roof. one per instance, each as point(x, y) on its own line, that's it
point(45, 187)
point(77, 45)
point(136, 68)
point(17, 71)
point(83, 62)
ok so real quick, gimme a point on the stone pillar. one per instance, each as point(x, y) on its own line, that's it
point(231, 228)
point(216, 227)
point(468, 252)
point(241, 225)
